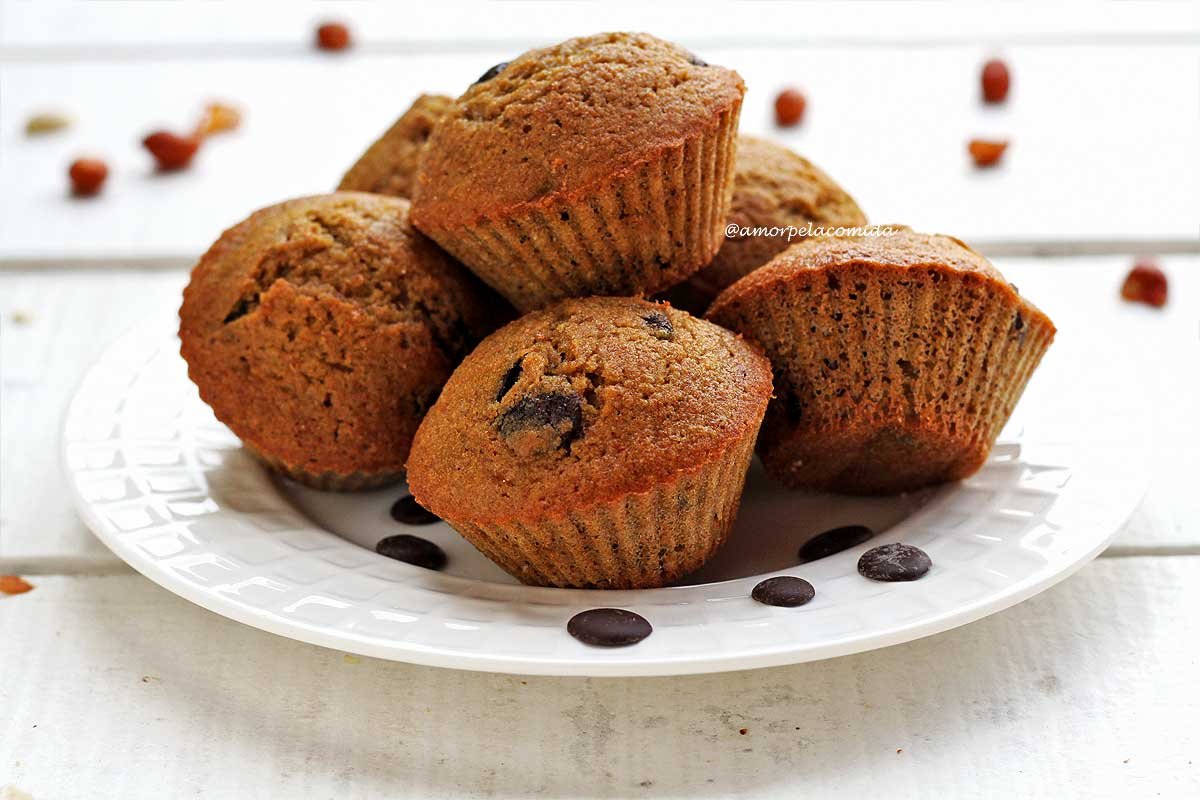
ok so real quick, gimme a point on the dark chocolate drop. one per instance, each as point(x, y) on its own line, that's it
point(492, 72)
point(609, 627)
point(509, 380)
point(834, 541)
point(894, 562)
point(407, 511)
point(412, 550)
point(659, 325)
point(560, 413)
point(784, 590)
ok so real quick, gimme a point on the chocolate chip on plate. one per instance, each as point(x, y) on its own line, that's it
point(407, 511)
point(412, 550)
point(659, 325)
point(894, 562)
point(834, 541)
point(784, 590)
point(609, 627)
point(492, 72)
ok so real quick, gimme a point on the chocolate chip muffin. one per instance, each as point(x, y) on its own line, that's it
point(773, 188)
point(599, 166)
point(320, 330)
point(596, 443)
point(390, 164)
point(897, 359)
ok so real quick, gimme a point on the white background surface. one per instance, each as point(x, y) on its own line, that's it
point(112, 687)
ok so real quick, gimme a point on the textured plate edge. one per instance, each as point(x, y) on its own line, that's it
point(408, 652)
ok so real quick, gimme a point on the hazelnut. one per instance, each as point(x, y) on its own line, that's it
point(995, 80)
point(87, 176)
point(789, 107)
point(333, 36)
point(1145, 283)
point(171, 151)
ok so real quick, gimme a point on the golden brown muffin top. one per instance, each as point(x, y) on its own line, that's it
point(320, 329)
point(358, 248)
point(904, 249)
point(563, 118)
point(774, 188)
point(389, 166)
point(584, 402)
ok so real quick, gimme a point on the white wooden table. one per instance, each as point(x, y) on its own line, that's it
point(110, 686)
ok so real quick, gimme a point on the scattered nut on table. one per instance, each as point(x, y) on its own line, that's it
point(986, 153)
point(171, 151)
point(789, 107)
point(46, 122)
point(87, 176)
point(218, 118)
point(995, 80)
point(333, 36)
point(1146, 283)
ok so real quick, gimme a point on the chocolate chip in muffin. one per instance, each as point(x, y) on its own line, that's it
point(786, 591)
point(659, 325)
point(539, 423)
point(509, 380)
point(894, 562)
point(412, 550)
point(609, 627)
point(696, 60)
point(834, 541)
point(491, 73)
point(408, 512)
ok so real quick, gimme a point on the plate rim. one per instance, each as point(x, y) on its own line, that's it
point(575, 666)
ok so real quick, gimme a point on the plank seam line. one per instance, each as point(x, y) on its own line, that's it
point(264, 50)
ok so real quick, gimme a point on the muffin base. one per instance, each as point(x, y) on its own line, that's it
point(648, 228)
point(639, 541)
point(327, 481)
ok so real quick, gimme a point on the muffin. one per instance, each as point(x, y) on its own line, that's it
point(897, 359)
point(320, 330)
point(599, 166)
point(773, 188)
point(390, 164)
point(595, 443)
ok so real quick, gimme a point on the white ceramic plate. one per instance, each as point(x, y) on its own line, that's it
point(168, 488)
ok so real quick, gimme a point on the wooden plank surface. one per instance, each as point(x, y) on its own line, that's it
point(53, 325)
point(890, 123)
point(70, 316)
point(110, 686)
point(61, 29)
point(1087, 690)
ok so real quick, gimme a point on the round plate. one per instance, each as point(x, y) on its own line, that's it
point(170, 491)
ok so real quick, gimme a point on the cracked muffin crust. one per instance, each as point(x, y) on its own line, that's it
point(389, 166)
point(320, 330)
point(773, 187)
point(600, 442)
point(599, 166)
point(898, 359)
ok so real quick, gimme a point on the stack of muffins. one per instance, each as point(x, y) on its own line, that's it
point(467, 311)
